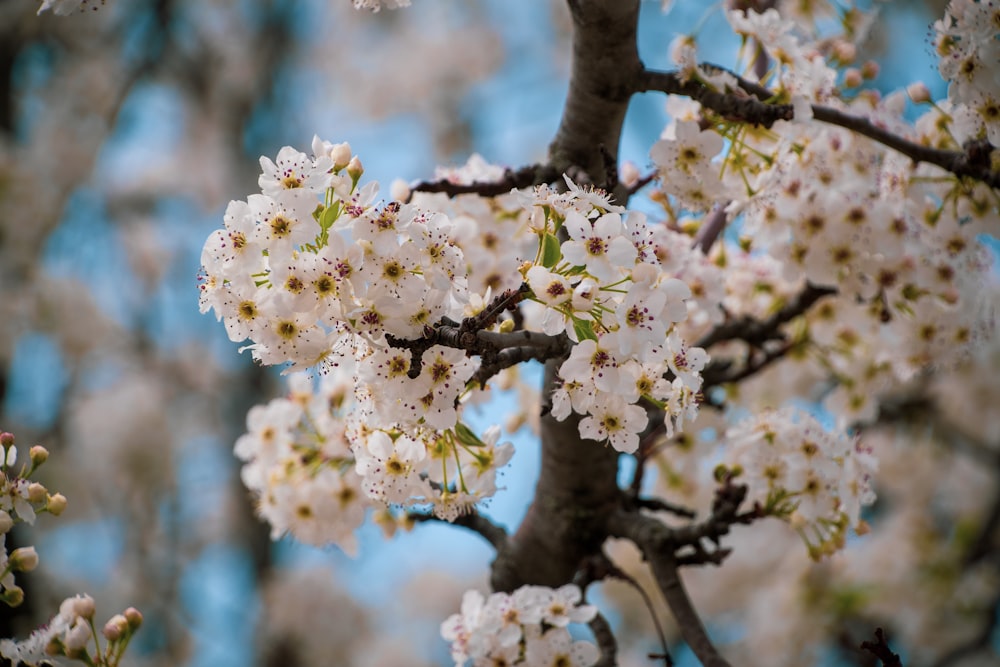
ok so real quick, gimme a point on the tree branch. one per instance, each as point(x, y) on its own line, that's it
point(606, 642)
point(493, 533)
point(757, 111)
point(524, 177)
point(880, 649)
point(659, 545)
point(757, 332)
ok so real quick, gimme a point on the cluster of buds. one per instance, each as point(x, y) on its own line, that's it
point(72, 630)
point(21, 499)
point(71, 633)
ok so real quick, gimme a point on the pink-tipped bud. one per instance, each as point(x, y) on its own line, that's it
point(134, 618)
point(6, 439)
point(870, 70)
point(852, 77)
point(115, 628)
point(845, 52)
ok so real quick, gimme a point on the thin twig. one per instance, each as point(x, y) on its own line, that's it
point(880, 649)
point(756, 111)
point(524, 177)
point(493, 533)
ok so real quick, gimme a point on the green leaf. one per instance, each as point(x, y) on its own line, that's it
point(466, 436)
point(551, 254)
point(329, 216)
point(584, 329)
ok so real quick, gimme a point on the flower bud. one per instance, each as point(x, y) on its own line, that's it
point(400, 190)
point(115, 628)
point(870, 70)
point(37, 493)
point(354, 168)
point(83, 606)
point(134, 618)
point(628, 174)
point(56, 504)
point(852, 77)
point(6, 439)
point(341, 155)
point(13, 596)
point(23, 559)
point(919, 92)
point(6, 523)
point(845, 52)
point(39, 455)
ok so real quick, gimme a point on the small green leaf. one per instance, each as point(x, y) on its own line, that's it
point(329, 216)
point(551, 254)
point(466, 436)
point(584, 329)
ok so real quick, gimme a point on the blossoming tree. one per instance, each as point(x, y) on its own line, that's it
point(723, 377)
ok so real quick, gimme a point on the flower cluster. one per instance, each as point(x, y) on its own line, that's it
point(317, 459)
point(606, 289)
point(312, 259)
point(897, 241)
point(526, 627)
point(20, 500)
point(795, 470)
point(968, 44)
point(70, 633)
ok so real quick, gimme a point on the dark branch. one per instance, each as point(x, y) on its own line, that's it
point(725, 514)
point(691, 627)
point(756, 111)
point(723, 371)
point(606, 642)
point(757, 332)
point(728, 105)
point(880, 649)
point(525, 177)
point(660, 544)
point(474, 521)
point(658, 505)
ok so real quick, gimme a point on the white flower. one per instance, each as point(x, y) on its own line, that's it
point(601, 247)
point(556, 647)
point(613, 420)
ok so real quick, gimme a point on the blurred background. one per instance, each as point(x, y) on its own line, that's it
point(124, 133)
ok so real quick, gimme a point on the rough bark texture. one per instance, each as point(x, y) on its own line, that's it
point(576, 493)
point(577, 490)
point(605, 70)
point(577, 503)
